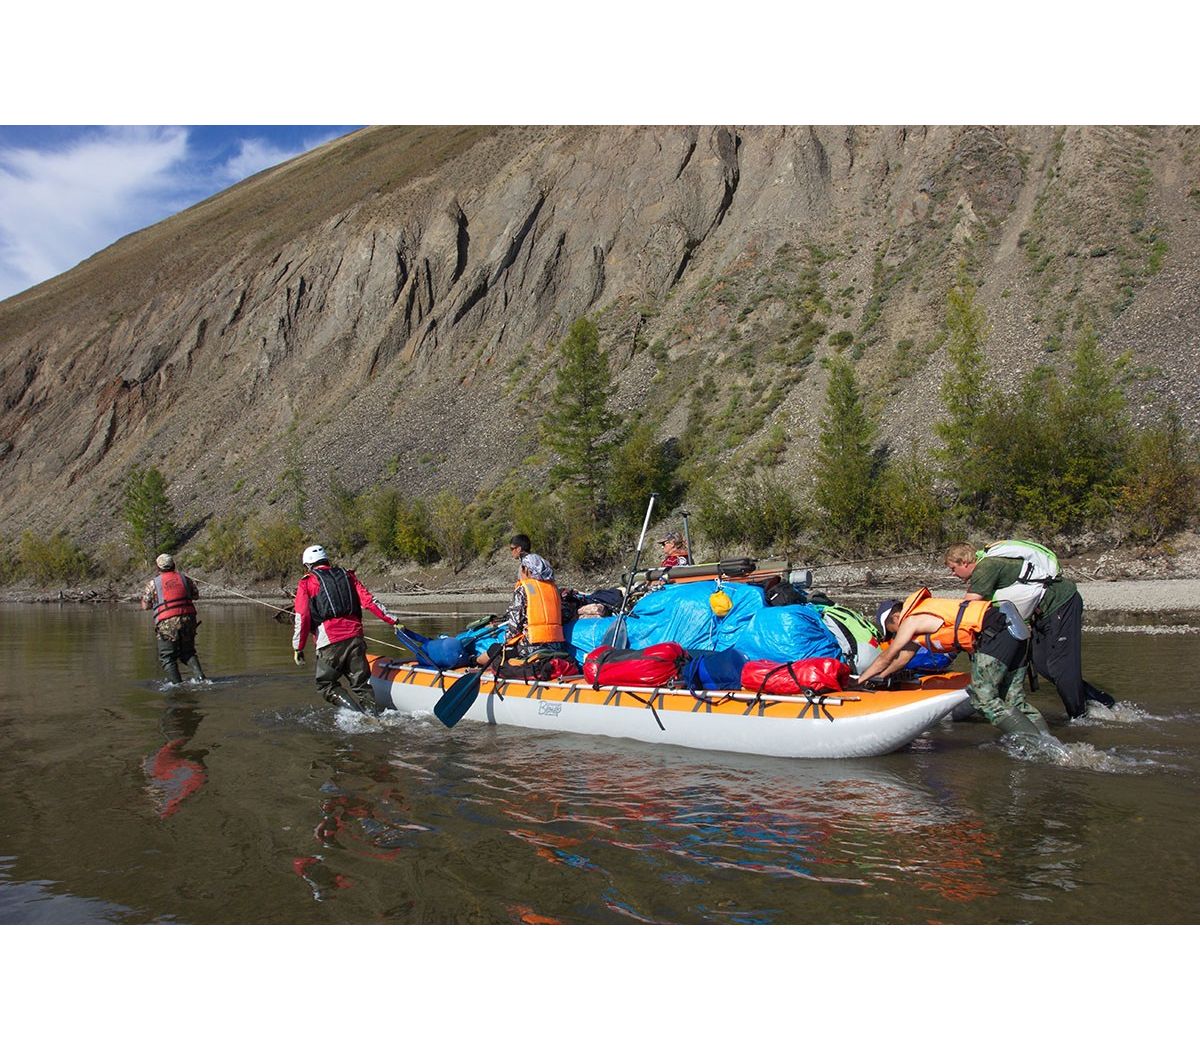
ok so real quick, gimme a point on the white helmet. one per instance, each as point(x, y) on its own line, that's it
point(314, 554)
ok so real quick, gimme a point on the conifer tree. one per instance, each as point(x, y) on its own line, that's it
point(578, 419)
point(845, 482)
point(961, 391)
point(147, 512)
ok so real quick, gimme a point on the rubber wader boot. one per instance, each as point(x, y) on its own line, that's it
point(1017, 724)
point(1039, 722)
point(344, 698)
point(193, 665)
point(964, 711)
point(1093, 695)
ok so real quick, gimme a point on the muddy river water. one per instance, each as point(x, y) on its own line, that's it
point(249, 800)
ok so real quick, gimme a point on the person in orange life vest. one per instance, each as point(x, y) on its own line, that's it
point(172, 596)
point(329, 605)
point(535, 612)
point(675, 551)
point(998, 653)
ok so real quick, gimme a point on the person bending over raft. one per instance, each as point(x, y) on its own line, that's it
point(991, 633)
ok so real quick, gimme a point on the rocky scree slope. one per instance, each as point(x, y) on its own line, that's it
point(384, 307)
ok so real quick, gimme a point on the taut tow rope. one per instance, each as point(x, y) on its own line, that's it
point(281, 609)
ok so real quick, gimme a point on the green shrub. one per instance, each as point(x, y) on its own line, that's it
point(1161, 494)
point(56, 559)
point(9, 566)
point(454, 529)
point(341, 519)
point(275, 549)
point(413, 537)
point(715, 516)
point(381, 510)
point(908, 513)
point(224, 545)
point(640, 465)
point(760, 512)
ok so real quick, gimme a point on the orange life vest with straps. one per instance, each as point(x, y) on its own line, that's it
point(543, 612)
point(173, 596)
point(961, 621)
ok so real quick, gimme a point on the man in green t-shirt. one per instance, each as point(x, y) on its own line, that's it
point(1056, 626)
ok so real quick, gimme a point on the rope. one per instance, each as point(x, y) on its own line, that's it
point(281, 609)
point(220, 586)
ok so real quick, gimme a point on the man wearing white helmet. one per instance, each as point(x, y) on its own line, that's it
point(329, 605)
point(172, 596)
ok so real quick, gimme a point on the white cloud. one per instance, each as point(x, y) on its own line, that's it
point(253, 156)
point(59, 206)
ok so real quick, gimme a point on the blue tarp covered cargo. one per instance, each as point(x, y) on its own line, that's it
point(680, 613)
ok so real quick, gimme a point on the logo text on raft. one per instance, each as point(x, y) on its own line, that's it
point(547, 708)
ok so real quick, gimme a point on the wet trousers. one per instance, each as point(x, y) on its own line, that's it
point(176, 640)
point(1057, 656)
point(346, 659)
point(996, 689)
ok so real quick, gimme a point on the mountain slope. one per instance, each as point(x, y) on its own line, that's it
point(382, 305)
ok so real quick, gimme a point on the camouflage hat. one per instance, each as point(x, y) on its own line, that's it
point(537, 567)
point(165, 562)
point(672, 537)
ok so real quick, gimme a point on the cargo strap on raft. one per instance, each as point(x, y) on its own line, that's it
point(650, 704)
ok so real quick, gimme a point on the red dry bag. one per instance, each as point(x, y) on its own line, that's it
point(654, 665)
point(821, 674)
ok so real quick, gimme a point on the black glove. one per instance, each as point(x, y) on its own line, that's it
point(298, 656)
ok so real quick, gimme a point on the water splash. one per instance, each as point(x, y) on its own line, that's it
point(355, 724)
point(1076, 755)
point(1122, 712)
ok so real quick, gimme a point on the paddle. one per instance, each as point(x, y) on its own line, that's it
point(616, 635)
point(457, 700)
point(687, 537)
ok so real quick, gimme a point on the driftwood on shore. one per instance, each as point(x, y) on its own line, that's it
point(84, 596)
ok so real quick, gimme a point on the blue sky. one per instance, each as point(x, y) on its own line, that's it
point(67, 191)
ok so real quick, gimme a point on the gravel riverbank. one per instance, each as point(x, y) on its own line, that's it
point(1147, 596)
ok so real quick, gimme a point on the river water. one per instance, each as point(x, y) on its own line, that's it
point(249, 800)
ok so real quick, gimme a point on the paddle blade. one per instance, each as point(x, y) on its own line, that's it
point(616, 636)
point(457, 700)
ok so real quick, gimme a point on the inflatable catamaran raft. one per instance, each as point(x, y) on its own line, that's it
point(760, 621)
point(849, 724)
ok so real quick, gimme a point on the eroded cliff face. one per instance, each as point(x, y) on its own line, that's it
point(386, 303)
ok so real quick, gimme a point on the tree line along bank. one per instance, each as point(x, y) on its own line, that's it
point(1058, 457)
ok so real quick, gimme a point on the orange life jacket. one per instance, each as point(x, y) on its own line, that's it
point(174, 596)
point(961, 621)
point(543, 612)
